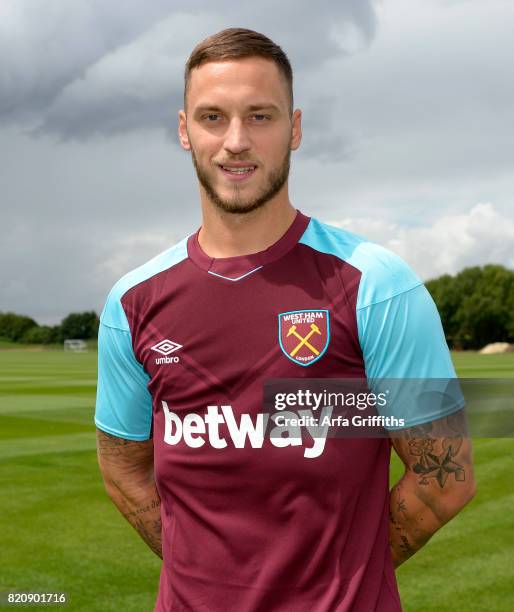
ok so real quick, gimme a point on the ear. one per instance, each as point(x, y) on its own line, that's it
point(296, 135)
point(182, 131)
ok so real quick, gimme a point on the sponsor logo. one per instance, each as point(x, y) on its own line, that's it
point(166, 347)
point(220, 423)
point(304, 335)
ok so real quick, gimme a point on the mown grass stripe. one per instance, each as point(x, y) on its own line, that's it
point(61, 532)
point(46, 444)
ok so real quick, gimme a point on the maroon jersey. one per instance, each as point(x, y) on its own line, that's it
point(251, 521)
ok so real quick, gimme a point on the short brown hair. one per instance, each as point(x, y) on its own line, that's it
point(237, 43)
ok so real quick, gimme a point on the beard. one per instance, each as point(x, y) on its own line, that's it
point(238, 203)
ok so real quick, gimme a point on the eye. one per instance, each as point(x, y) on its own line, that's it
point(260, 118)
point(211, 117)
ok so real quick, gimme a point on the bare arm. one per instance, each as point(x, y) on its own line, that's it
point(438, 482)
point(127, 470)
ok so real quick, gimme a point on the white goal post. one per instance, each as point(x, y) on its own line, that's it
point(75, 346)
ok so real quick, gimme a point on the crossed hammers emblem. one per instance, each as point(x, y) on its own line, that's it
point(304, 340)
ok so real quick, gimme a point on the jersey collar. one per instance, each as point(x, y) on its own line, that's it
point(236, 268)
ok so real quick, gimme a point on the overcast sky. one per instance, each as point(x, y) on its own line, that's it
point(408, 128)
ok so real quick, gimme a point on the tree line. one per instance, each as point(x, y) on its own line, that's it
point(476, 307)
point(19, 328)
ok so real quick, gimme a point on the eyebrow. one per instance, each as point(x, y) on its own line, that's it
point(251, 108)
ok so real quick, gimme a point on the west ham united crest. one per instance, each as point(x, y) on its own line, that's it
point(304, 335)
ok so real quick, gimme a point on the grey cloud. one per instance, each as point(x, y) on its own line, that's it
point(71, 273)
point(109, 71)
point(477, 236)
point(406, 131)
point(323, 138)
point(425, 107)
point(76, 217)
point(311, 33)
point(136, 86)
point(47, 44)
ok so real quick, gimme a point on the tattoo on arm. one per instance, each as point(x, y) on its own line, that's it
point(435, 447)
point(155, 503)
point(146, 520)
point(400, 506)
point(150, 531)
point(127, 468)
point(437, 482)
point(111, 447)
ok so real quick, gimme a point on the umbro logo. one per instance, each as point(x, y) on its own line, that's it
point(166, 347)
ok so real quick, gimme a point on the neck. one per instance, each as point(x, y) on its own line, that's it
point(228, 235)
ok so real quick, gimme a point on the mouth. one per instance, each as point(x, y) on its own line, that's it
point(237, 172)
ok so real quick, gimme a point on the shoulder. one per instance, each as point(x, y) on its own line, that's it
point(383, 273)
point(113, 314)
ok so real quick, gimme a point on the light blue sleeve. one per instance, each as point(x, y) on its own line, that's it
point(123, 402)
point(402, 338)
point(400, 332)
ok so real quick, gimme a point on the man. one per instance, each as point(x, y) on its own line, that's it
point(251, 521)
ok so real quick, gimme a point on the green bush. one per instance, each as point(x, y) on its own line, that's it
point(13, 326)
point(19, 328)
point(82, 325)
point(476, 306)
point(42, 334)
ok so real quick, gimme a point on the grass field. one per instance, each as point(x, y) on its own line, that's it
point(468, 565)
point(59, 531)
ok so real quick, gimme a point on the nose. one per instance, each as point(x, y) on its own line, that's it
point(236, 137)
